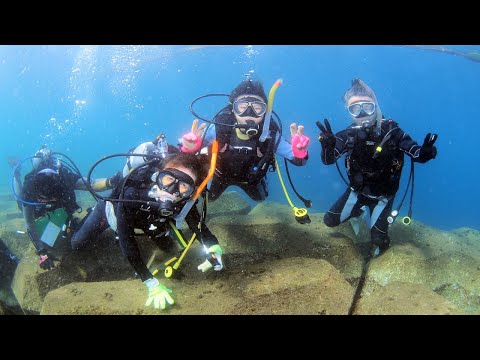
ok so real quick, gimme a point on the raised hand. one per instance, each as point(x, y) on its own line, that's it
point(428, 151)
point(326, 136)
point(299, 141)
point(192, 141)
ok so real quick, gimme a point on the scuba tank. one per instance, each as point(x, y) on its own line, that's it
point(162, 146)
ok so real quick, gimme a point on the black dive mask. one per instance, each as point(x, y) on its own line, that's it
point(175, 182)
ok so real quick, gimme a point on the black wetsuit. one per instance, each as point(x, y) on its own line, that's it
point(132, 216)
point(62, 189)
point(238, 161)
point(372, 181)
point(95, 223)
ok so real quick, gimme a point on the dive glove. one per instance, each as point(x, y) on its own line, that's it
point(214, 259)
point(326, 137)
point(46, 261)
point(114, 180)
point(192, 141)
point(158, 293)
point(428, 151)
point(299, 141)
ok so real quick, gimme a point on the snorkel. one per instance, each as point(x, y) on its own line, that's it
point(378, 128)
point(268, 114)
point(213, 164)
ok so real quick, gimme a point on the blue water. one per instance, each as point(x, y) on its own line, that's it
point(92, 101)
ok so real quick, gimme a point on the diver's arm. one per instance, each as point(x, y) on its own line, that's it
point(99, 184)
point(329, 155)
point(209, 136)
point(204, 234)
point(128, 245)
point(285, 150)
point(408, 145)
point(29, 217)
point(194, 140)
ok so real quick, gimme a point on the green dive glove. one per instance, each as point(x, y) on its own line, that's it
point(158, 293)
point(214, 259)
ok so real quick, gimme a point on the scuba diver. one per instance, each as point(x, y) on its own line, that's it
point(49, 201)
point(248, 141)
point(156, 189)
point(95, 221)
point(374, 151)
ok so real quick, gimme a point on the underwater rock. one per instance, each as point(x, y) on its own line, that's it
point(279, 235)
point(405, 263)
point(287, 286)
point(100, 261)
point(457, 278)
point(18, 244)
point(460, 297)
point(297, 286)
point(30, 283)
point(230, 203)
point(398, 298)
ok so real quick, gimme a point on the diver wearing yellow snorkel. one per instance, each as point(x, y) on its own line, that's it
point(374, 151)
point(248, 141)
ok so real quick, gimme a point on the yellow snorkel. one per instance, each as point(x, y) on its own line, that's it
point(268, 114)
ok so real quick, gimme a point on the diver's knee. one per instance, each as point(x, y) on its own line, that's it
point(77, 241)
point(330, 219)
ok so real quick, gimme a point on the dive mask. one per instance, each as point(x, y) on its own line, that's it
point(175, 182)
point(361, 109)
point(257, 107)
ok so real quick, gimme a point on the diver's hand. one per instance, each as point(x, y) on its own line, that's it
point(46, 261)
point(214, 259)
point(192, 141)
point(299, 141)
point(114, 180)
point(428, 151)
point(326, 137)
point(158, 294)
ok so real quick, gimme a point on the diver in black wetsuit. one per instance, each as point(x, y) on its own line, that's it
point(166, 184)
point(50, 186)
point(243, 160)
point(374, 151)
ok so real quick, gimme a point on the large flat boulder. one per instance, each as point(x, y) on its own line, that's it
point(399, 298)
point(286, 286)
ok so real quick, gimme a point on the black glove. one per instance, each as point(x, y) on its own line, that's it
point(326, 137)
point(428, 151)
point(46, 261)
point(114, 180)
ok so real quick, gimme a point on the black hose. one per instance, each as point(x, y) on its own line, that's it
point(306, 202)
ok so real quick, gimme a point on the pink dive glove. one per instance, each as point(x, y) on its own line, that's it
point(191, 142)
point(299, 141)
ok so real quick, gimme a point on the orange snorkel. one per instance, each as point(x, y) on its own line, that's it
point(211, 171)
point(213, 163)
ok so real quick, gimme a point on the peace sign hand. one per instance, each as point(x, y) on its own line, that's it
point(428, 151)
point(192, 141)
point(299, 141)
point(326, 136)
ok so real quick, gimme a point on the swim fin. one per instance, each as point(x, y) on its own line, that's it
point(355, 221)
